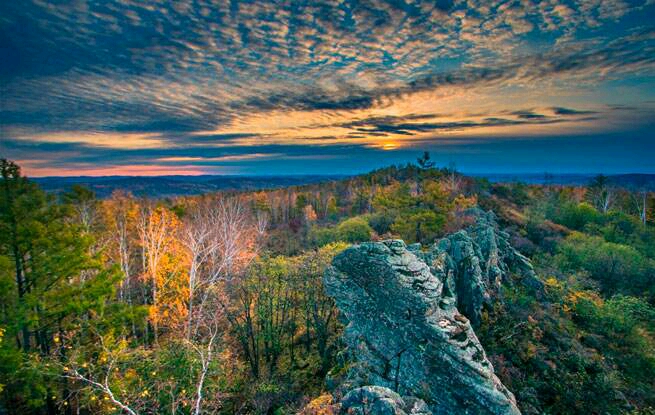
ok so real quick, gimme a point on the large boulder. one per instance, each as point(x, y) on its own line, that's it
point(404, 331)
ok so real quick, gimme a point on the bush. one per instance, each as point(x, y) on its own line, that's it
point(618, 268)
point(354, 230)
point(322, 236)
point(577, 216)
point(381, 223)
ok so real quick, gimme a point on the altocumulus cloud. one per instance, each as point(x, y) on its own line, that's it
point(211, 82)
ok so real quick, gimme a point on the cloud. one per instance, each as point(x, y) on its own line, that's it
point(570, 111)
point(528, 115)
point(203, 74)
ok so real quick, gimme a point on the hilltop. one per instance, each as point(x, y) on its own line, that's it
point(175, 185)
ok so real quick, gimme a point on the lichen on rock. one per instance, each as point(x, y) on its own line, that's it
point(404, 332)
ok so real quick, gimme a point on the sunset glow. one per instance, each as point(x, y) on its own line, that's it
point(256, 88)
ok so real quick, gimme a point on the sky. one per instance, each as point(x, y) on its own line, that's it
point(132, 87)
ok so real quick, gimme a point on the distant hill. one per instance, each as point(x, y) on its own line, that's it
point(636, 180)
point(169, 186)
point(641, 181)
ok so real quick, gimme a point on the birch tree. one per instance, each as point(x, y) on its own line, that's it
point(218, 236)
point(640, 202)
point(601, 193)
point(154, 225)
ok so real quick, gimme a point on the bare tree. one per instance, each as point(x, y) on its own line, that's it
point(154, 226)
point(601, 193)
point(205, 344)
point(218, 237)
point(261, 222)
point(234, 234)
point(640, 202)
point(119, 213)
point(198, 237)
point(232, 246)
point(453, 179)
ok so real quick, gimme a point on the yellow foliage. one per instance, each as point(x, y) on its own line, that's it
point(552, 282)
point(576, 296)
point(323, 405)
point(461, 202)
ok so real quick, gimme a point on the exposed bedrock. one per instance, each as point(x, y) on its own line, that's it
point(404, 333)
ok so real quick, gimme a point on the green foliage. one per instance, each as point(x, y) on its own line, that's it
point(354, 230)
point(381, 223)
point(617, 267)
point(586, 345)
point(576, 355)
point(577, 216)
point(286, 326)
point(416, 217)
point(53, 288)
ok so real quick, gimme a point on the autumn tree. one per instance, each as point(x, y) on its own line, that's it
point(155, 226)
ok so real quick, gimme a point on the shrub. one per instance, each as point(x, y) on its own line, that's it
point(354, 230)
point(618, 268)
point(577, 216)
point(381, 223)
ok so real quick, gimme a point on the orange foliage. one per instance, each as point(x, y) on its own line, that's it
point(323, 405)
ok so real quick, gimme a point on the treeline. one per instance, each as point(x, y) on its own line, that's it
point(214, 304)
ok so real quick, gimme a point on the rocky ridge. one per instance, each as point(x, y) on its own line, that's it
point(409, 315)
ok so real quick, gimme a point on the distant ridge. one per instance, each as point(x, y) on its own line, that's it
point(170, 186)
point(628, 180)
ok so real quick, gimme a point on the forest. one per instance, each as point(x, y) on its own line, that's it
point(215, 303)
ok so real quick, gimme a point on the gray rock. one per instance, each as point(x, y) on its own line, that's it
point(369, 400)
point(473, 263)
point(403, 329)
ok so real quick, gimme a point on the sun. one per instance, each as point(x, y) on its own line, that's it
point(389, 146)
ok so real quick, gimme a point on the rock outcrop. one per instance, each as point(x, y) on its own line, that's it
point(474, 262)
point(409, 348)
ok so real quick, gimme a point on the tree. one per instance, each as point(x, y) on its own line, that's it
point(601, 194)
point(218, 236)
point(155, 225)
point(453, 180)
point(101, 382)
point(424, 161)
point(20, 200)
point(58, 285)
point(617, 267)
point(417, 218)
point(354, 230)
point(120, 215)
point(85, 206)
point(280, 305)
point(639, 199)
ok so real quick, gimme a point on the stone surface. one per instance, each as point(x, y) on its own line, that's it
point(473, 263)
point(369, 400)
point(404, 331)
